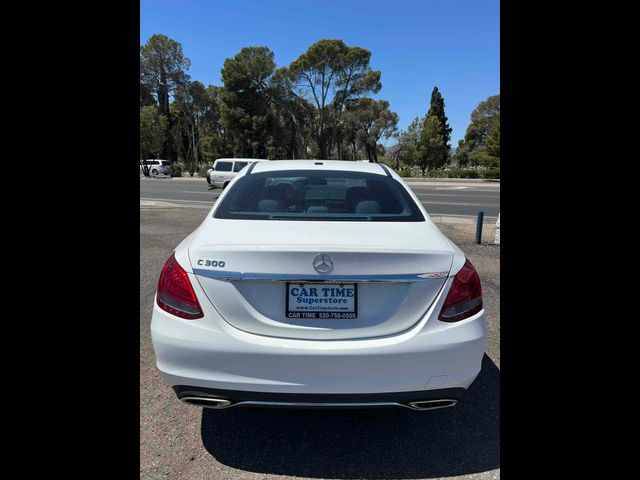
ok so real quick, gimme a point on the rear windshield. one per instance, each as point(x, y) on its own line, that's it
point(319, 195)
point(165, 163)
point(237, 166)
point(222, 167)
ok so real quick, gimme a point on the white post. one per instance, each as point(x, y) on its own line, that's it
point(498, 230)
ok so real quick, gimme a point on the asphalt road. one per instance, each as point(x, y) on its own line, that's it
point(181, 441)
point(439, 199)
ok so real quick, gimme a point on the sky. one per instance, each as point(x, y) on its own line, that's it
point(451, 44)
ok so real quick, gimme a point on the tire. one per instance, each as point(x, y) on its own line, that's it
point(225, 185)
point(154, 172)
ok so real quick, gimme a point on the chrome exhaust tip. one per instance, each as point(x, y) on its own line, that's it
point(206, 402)
point(432, 404)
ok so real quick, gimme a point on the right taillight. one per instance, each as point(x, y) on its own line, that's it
point(175, 293)
point(465, 296)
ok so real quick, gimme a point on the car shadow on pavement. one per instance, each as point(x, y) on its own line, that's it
point(372, 444)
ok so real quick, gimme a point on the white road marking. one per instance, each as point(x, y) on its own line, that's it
point(470, 189)
point(200, 193)
point(428, 202)
point(439, 195)
point(173, 200)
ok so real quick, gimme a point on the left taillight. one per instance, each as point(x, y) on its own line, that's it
point(175, 293)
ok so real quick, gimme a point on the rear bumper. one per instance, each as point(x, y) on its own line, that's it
point(432, 356)
point(218, 399)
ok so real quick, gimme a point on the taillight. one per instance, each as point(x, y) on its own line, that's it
point(175, 293)
point(465, 296)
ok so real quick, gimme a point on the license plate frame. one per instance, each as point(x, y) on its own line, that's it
point(330, 314)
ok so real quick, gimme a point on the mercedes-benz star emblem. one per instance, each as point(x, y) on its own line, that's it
point(322, 263)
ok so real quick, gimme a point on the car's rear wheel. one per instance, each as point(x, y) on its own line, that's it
point(225, 185)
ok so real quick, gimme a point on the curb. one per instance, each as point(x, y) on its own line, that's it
point(166, 177)
point(154, 204)
point(493, 186)
point(447, 179)
point(452, 182)
point(460, 220)
point(148, 204)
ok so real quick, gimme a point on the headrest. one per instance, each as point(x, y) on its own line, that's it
point(318, 209)
point(368, 206)
point(268, 206)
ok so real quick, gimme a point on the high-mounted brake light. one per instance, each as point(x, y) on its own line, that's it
point(175, 293)
point(465, 296)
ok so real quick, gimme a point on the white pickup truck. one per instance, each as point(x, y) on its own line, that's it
point(224, 169)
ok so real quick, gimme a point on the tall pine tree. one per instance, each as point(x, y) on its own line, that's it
point(436, 108)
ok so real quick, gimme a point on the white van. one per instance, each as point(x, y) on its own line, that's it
point(224, 169)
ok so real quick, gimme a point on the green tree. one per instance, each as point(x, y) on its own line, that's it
point(152, 131)
point(180, 138)
point(327, 75)
point(482, 138)
point(215, 138)
point(294, 112)
point(146, 98)
point(432, 145)
point(436, 108)
point(196, 105)
point(492, 142)
point(408, 152)
point(246, 99)
point(462, 154)
point(163, 69)
point(370, 120)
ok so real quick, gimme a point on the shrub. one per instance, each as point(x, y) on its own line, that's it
point(455, 172)
point(437, 173)
point(176, 170)
point(491, 173)
point(467, 173)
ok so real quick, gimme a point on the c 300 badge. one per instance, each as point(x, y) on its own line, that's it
point(210, 263)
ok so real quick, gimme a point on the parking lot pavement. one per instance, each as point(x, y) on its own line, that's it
point(180, 441)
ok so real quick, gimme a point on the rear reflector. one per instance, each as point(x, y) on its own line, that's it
point(465, 296)
point(175, 293)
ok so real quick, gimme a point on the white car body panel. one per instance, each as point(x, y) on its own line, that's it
point(245, 343)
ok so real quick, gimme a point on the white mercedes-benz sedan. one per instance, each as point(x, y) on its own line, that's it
point(318, 284)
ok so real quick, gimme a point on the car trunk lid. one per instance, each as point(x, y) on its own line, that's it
point(248, 268)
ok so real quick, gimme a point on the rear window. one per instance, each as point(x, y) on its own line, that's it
point(319, 195)
point(222, 167)
point(237, 166)
point(166, 163)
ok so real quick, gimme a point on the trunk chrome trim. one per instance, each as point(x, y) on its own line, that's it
point(296, 277)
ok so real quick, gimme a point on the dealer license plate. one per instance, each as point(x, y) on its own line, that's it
point(322, 300)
